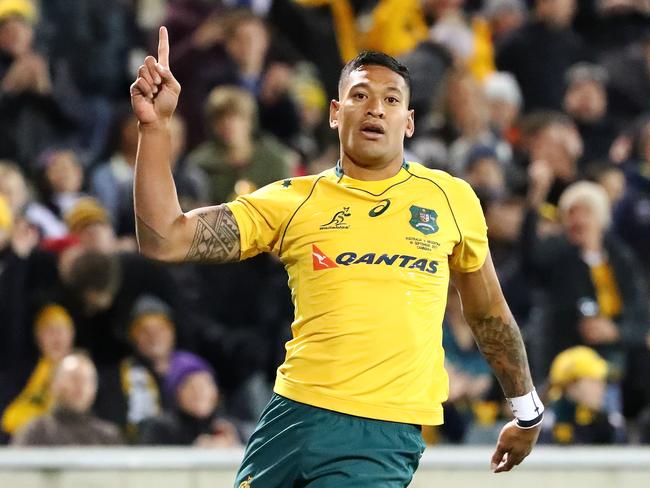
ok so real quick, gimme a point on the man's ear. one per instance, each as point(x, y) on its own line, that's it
point(410, 123)
point(334, 114)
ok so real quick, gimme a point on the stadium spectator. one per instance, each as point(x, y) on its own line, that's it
point(17, 271)
point(429, 64)
point(484, 172)
point(32, 100)
point(237, 150)
point(632, 215)
point(70, 422)
point(246, 342)
point(54, 334)
point(552, 147)
point(81, 38)
point(311, 102)
point(505, 100)
point(468, 121)
point(233, 48)
point(90, 225)
point(194, 420)
point(13, 186)
point(629, 84)
point(100, 290)
point(503, 17)
point(585, 101)
point(539, 53)
point(132, 391)
point(610, 25)
point(61, 180)
point(578, 413)
point(595, 292)
point(611, 177)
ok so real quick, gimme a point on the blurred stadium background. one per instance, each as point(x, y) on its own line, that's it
point(543, 106)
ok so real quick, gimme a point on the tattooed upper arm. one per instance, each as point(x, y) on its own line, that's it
point(216, 236)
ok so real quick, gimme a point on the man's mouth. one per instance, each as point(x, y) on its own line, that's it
point(372, 130)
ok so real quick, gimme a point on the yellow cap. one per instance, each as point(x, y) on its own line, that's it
point(6, 217)
point(577, 363)
point(85, 212)
point(50, 313)
point(21, 8)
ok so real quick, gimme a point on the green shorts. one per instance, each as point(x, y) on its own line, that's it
point(297, 445)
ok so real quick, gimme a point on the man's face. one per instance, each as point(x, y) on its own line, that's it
point(75, 385)
point(154, 337)
point(586, 101)
point(198, 395)
point(98, 236)
point(16, 36)
point(372, 116)
point(233, 129)
point(64, 172)
point(582, 224)
point(589, 392)
point(560, 145)
point(55, 339)
point(250, 41)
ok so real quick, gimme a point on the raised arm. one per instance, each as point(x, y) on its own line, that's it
point(498, 337)
point(163, 231)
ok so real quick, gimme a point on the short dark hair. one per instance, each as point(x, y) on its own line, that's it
point(94, 271)
point(376, 58)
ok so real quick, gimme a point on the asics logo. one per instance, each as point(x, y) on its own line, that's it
point(380, 209)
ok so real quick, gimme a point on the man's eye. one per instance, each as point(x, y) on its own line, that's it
point(359, 96)
point(392, 100)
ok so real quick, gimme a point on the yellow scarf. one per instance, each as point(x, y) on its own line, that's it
point(394, 27)
point(34, 401)
point(607, 294)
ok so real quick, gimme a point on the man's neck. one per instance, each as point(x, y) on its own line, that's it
point(370, 173)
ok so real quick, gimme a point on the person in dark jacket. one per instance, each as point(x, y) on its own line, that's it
point(34, 97)
point(540, 52)
point(70, 422)
point(132, 391)
point(585, 101)
point(194, 419)
point(594, 289)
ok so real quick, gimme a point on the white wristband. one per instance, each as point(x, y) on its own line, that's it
point(527, 409)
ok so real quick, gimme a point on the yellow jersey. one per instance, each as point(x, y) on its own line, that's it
point(368, 265)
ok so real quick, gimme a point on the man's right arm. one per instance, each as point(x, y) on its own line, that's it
point(163, 231)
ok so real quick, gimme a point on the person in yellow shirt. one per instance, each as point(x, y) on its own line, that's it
point(370, 246)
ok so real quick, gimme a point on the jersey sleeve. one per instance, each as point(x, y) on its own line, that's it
point(262, 215)
point(470, 253)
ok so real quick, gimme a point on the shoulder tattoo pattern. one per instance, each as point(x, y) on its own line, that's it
point(216, 238)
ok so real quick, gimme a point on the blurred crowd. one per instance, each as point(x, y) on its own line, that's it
point(543, 106)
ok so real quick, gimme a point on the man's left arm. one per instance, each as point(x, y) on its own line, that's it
point(497, 336)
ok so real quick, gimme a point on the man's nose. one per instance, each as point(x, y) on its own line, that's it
point(376, 108)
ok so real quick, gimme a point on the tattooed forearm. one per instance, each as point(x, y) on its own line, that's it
point(501, 343)
point(216, 238)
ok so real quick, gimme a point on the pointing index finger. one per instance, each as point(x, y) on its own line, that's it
point(163, 47)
